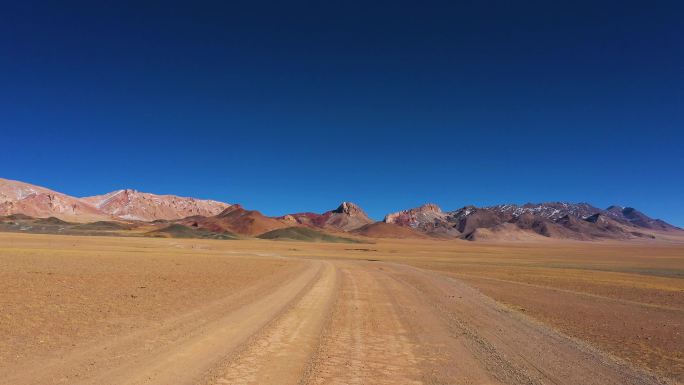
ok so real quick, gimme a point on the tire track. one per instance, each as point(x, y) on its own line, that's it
point(118, 360)
point(186, 362)
point(183, 353)
point(513, 348)
point(448, 357)
point(365, 341)
point(280, 353)
point(345, 323)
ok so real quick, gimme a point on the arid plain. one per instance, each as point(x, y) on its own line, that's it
point(127, 310)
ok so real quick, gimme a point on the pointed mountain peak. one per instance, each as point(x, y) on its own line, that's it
point(429, 207)
point(423, 209)
point(230, 209)
point(346, 217)
point(350, 209)
point(428, 218)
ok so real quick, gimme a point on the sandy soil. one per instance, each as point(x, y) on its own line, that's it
point(88, 310)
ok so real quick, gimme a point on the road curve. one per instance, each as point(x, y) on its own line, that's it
point(344, 322)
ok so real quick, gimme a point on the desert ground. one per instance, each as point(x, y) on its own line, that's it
point(116, 310)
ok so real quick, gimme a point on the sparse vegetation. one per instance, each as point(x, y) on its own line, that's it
point(304, 234)
point(180, 231)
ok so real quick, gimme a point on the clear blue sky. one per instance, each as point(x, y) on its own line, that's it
point(294, 106)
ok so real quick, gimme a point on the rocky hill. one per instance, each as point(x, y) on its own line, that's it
point(346, 217)
point(135, 205)
point(235, 219)
point(35, 201)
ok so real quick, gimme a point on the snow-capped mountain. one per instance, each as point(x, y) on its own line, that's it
point(551, 219)
point(549, 210)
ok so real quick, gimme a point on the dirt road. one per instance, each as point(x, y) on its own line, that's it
point(339, 322)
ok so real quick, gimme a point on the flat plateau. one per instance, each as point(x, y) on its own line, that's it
point(110, 310)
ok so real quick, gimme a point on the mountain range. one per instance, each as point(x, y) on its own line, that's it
point(170, 215)
point(580, 221)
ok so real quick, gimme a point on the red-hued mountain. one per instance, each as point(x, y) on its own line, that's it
point(134, 205)
point(347, 217)
point(427, 218)
point(551, 220)
point(235, 219)
point(23, 198)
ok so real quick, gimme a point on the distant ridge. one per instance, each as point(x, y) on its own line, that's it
point(579, 221)
point(23, 205)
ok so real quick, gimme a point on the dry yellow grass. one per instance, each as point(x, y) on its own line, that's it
point(61, 292)
point(627, 299)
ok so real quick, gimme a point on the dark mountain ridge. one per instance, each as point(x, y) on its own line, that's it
point(580, 221)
